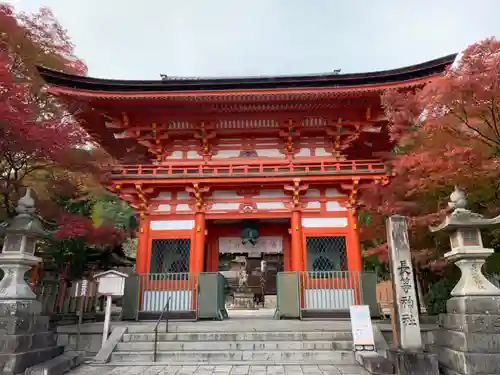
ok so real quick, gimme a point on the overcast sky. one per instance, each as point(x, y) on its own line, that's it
point(140, 39)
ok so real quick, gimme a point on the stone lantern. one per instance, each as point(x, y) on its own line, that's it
point(467, 251)
point(17, 256)
point(25, 337)
point(468, 340)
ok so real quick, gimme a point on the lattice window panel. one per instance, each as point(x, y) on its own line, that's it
point(170, 256)
point(326, 253)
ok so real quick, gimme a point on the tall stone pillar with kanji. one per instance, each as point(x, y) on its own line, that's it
point(409, 357)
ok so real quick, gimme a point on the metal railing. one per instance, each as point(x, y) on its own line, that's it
point(330, 290)
point(165, 309)
point(156, 288)
point(245, 169)
point(324, 294)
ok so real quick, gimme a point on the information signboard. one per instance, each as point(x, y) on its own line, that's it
point(362, 329)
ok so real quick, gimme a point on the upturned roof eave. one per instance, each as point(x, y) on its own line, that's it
point(322, 81)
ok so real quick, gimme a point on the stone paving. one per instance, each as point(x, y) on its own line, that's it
point(221, 370)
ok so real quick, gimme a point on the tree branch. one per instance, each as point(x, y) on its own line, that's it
point(488, 140)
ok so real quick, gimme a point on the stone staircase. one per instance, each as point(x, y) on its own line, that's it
point(239, 341)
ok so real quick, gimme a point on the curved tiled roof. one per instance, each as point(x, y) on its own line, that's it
point(413, 72)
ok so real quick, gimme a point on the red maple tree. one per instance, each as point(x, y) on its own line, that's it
point(71, 226)
point(36, 132)
point(447, 133)
point(41, 145)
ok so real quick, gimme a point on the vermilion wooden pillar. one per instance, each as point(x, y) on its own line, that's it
point(198, 246)
point(286, 253)
point(142, 261)
point(296, 253)
point(354, 256)
point(213, 253)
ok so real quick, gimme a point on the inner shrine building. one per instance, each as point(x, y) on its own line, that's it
point(269, 168)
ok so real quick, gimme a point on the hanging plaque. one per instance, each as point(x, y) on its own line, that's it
point(266, 245)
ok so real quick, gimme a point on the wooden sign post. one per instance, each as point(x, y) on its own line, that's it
point(81, 290)
point(111, 284)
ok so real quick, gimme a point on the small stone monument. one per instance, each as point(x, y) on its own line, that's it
point(243, 296)
point(409, 356)
point(243, 280)
point(468, 341)
point(25, 339)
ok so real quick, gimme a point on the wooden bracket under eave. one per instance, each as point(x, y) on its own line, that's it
point(296, 188)
point(197, 192)
point(204, 134)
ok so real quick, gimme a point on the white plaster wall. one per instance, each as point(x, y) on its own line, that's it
point(182, 207)
point(313, 205)
point(224, 194)
point(270, 205)
point(304, 152)
point(163, 208)
point(171, 224)
point(334, 206)
point(333, 193)
point(312, 193)
point(175, 155)
point(320, 151)
point(163, 196)
point(193, 155)
point(324, 222)
point(182, 195)
point(270, 194)
point(270, 153)
point(225, 154)
point(225, 206)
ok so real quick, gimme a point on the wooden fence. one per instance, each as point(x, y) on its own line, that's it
point(63, 304)
point(385, 297)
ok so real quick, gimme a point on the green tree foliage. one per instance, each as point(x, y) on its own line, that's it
point(77, 240)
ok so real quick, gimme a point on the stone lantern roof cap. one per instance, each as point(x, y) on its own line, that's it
point(461, 217)
point(29, 225)
point(26, 221)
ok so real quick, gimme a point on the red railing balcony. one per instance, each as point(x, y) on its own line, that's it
point(196, 171)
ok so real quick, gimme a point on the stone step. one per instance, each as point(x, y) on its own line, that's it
point(27, 342)
point(220, 368)
point(17, 363)
point(233, 345)
point(243, 325)
point(207, 357)
point(241, 336)
point(58, 365)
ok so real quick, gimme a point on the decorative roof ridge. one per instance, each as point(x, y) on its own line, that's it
point(448, 59)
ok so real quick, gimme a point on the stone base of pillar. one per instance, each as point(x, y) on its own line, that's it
point(413, 363)
point(25, 337)
point(468, 341)
point(473, 305)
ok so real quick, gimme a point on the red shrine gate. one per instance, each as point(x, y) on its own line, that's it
point(288, 156)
